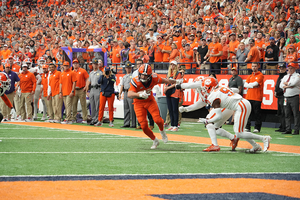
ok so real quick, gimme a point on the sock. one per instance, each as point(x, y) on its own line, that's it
point(252, 142)
point(212, 134)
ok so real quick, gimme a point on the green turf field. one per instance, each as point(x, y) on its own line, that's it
point(26, 150)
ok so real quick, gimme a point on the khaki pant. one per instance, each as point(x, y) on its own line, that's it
point(81, 95)
point(49, 107)
point(57, 106)
point(26, 100)
point(271, 72)
point(68, 106)
point(17, 104)
point(5, 109)
point(206, 67)
point(243, 70)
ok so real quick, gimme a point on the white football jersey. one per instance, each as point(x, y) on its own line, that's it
point(227, 97)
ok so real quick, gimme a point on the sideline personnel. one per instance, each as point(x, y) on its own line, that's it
point(67, 85)
point(94, 94)
point(129, 113)
point(81, 88)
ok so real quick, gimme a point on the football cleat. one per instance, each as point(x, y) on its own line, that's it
point(212, 148)
point(266, 141)
point(155, 143)
point(164, 136)
point(254, 149)
point(234, 142)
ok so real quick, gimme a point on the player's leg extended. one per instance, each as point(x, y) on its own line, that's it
point(240, 119)
point(141, 114)
point(154, 111)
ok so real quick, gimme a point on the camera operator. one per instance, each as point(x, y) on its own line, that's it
point(107, 82)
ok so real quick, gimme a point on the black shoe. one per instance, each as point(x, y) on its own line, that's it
point(287, 132)
point(280, 130)
point(296, 132)
point(132, 127)
point(127, 126)
point(92, 123)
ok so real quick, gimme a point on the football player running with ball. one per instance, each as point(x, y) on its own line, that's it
point(141, 91)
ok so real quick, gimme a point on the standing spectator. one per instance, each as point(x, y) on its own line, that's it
point(255, 85)
point(282, 50)
point(201, 52)
point(44, 91)
point(253, 55)
point(224, 57)
point(236, 82)
point(241, 55)
point(67, 86)
point(233, 45)
point(173, 95)
point(214, 54)
point(27, 85)
point(186, 56)
point(129, 114)
point(272, 52)
point(107, 82)
point(158, 53)
point(280, 98)
point(290, 86)
point(14, 79)
point(81, 88)
point(291, 56)
point(94, 94)
point(53, 92)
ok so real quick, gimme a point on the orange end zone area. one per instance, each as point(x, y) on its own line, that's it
point(142, 189)
point(172, 137)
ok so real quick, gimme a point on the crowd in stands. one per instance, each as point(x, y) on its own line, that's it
point(202, 36)
point(157, 31)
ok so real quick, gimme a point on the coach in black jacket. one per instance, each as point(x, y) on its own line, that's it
point(279, 95)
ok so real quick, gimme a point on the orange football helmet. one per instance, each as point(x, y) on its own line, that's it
point(4, 83)
point(145, 70)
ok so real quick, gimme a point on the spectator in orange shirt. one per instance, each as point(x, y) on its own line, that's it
point(224, 57)
point(215, 51)
point(27, 85)
point(158, 54)
point(253, 55)
point(81, 89)
point(115, 54)
point(68, 80)
point(167, 50)
point(53, 93)
point(5, 52)
point(291, 56)
point(186, 56)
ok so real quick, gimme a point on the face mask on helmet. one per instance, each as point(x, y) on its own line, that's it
point(145, 72)
point(5, 83)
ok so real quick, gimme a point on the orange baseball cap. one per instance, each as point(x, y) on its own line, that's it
point(75, 61)
point(66, 63)
point(291, 46)
point(45, 66)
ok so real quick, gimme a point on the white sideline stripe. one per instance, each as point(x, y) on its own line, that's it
point(25, 128)
point(102, 138)
point(177, 174)
point(133, 152)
